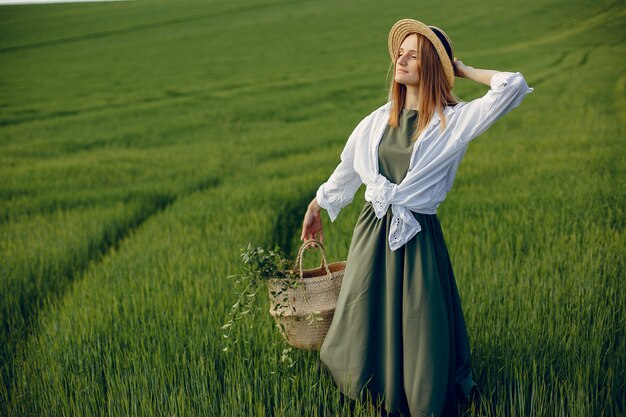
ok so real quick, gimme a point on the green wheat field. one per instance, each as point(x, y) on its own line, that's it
point(143, 144)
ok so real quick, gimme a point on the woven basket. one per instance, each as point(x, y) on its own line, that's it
point(292, 301)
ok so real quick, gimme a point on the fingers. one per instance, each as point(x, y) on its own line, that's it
point(315, 236)
point(305, 227)
point(312, 228)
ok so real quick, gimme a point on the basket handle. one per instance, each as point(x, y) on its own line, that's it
point(306, 244)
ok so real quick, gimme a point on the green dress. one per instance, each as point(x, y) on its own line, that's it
point(398, 333)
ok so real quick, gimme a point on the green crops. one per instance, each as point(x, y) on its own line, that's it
point(143, 144)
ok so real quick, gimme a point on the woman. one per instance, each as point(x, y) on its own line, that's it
point(398, 331)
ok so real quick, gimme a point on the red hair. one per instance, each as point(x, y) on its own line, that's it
point(434, 91)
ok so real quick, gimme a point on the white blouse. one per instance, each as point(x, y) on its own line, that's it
point(434, 161)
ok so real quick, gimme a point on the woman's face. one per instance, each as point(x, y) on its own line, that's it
point(406, 62)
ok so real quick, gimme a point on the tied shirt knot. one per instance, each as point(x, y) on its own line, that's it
point(381, 193)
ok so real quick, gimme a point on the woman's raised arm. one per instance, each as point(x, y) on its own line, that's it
point(507, 91)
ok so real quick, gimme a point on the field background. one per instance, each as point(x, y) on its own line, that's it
point(144, 143)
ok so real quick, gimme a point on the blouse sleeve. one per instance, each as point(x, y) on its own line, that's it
point(507, 91)
point(339, 190)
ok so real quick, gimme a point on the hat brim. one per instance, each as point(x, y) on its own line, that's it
point(404, 27)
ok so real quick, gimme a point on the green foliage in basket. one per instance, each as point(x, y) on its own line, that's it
point(258, 265)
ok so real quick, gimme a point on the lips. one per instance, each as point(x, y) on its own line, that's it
point(406, 72)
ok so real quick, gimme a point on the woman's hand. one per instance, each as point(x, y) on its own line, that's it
point(312, 224)
point(459, 68)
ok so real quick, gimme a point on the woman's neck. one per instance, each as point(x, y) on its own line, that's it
point(411, 101)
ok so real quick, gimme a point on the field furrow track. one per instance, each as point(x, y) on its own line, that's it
point(149, 25)
point(591, 19)
point(37, 282)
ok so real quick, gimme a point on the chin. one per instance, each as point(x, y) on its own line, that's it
point(404, 81)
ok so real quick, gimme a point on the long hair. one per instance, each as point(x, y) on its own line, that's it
point(434, 91)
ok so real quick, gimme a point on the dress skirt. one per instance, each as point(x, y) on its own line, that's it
point(398, 329)
point(398, 333)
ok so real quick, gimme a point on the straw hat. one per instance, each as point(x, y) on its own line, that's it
point(402, 28)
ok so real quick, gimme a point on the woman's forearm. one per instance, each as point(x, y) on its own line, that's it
point(479, 75)
point(474, 74)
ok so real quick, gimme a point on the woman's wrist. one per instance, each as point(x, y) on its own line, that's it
point(314, 206)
